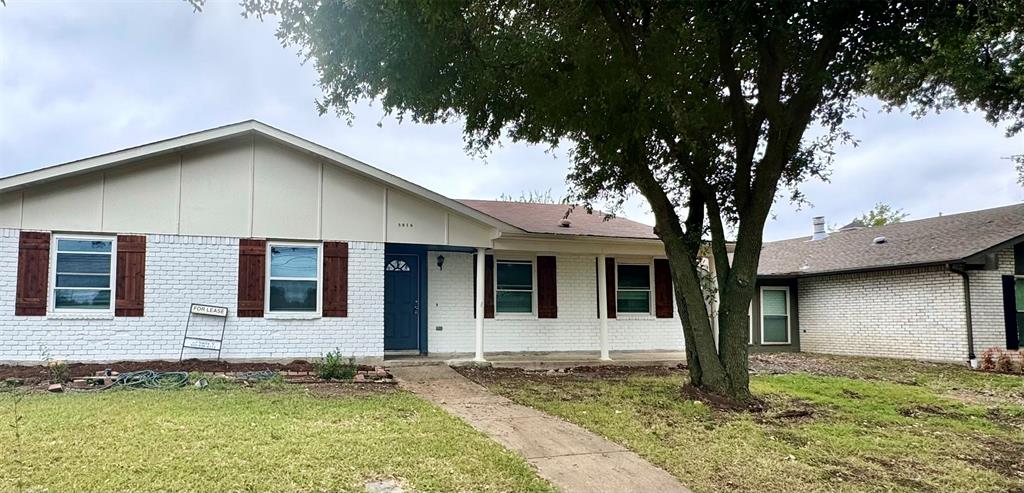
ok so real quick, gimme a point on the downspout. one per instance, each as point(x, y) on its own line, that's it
point(971, 358)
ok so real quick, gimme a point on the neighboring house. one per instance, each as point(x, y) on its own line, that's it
point(944, 288)
point(310, 251)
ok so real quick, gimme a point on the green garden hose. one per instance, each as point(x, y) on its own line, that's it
point(150, 379)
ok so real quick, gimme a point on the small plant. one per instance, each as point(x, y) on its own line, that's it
point(58, 369)
point(334, 366)
point(1004, 362)
point(988, 360)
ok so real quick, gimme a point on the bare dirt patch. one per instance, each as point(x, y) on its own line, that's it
point(485, 376)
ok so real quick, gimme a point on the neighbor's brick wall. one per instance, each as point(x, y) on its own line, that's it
point(450, 305)
point(987, 304)
point(181, 270)
point(909, 313)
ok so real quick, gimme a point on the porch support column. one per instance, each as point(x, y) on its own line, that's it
point(481, 256)
point(602, 305)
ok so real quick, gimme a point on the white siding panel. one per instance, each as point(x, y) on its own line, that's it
point(412, 220)
point(286, 188)
point(353, 207)
point(72, 204)
point(216, 190)
point(467, 232)
point(10, 210)
point(142, 198)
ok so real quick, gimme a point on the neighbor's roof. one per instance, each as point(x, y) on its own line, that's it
point(546, 219)
point(936, 240)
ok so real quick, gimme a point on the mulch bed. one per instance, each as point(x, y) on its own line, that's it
point(34, 374)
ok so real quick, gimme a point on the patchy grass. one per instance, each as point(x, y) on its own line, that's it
point(875, 426)
point(272, 437)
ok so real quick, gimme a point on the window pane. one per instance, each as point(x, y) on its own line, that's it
point(1020, 295)
point(634, 276)
point(89, 299)
point(288, 261)
point(83, 263)
point(633, 302)
point(292, 296)
point(518, 275)
point(514, 301)
point(82, 281)
point(774, 329)
point(774, 302)
point(83, 245)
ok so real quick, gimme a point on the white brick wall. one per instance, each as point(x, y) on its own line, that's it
point(911, 313)
point(450, 305)
point(987, 304)
point(181, 270)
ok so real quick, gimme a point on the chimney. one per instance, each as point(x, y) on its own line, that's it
point(819, 228)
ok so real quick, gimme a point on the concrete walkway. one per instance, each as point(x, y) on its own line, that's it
point(572, 458)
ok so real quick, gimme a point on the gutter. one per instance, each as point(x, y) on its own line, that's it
point(958, 269)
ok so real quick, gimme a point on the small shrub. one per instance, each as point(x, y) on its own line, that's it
point(334, 366)
point(58, 369)
point(1005, 363)
point(988, 359)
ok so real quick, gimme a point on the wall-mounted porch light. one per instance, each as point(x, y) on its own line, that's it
point(440, 262)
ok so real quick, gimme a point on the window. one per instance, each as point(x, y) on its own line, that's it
point(514, 290)
point(774, 315)
point(294, 278)
point(633, 288)
point(83, 273)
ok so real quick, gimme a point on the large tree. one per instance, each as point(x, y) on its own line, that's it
point(702, 107)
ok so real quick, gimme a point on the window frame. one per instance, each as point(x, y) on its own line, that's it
point(649, 263)
point(52, 288)
point(532, 260)
point(319, 281)
point(789, 316)
point(750, 323)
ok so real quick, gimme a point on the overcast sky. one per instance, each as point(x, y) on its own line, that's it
point(81, 78)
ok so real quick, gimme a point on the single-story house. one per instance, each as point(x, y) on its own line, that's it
point(944, 288)
point(307, 251)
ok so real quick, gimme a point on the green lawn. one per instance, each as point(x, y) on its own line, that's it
point(239, 439)
point(869, 425)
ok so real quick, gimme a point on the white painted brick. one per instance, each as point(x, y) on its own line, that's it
point(190, 269)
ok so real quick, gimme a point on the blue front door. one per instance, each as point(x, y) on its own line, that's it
point(401, 302)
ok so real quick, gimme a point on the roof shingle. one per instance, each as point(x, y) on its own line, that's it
point(926, 241)
point(545, 218)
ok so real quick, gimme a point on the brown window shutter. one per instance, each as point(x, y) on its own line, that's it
point(489, 286)
point(33, 273)
point(252, 257)
point(547, 288)
point(1013, 332)
point(131, 276)
point(335, 279)
point(609, 282)
point(662, 288)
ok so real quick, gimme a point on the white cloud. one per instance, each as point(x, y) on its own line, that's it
point(82, 79)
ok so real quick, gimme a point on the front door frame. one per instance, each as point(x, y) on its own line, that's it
point(421, 252)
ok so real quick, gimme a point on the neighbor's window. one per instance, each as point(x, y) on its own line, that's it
point(294, 278)
point(775, 315)
point(83, 273)
point(514, 290)
point(633, 288)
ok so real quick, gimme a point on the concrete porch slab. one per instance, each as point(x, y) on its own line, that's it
point(544, 360)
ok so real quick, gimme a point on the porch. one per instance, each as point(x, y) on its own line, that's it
point(542, 360)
